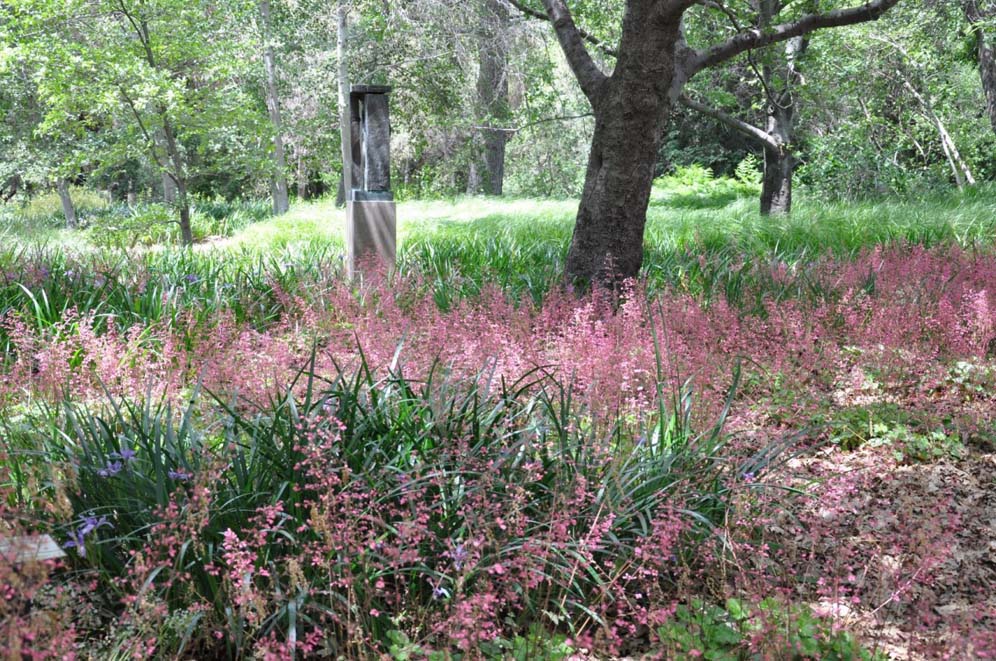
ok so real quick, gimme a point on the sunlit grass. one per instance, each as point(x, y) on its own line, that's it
point(462, 244)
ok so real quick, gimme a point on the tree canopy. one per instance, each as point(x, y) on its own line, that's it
point(165, 100)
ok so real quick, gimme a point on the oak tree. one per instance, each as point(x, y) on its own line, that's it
point(632, 105)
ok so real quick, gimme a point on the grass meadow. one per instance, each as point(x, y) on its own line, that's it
point(777, 443)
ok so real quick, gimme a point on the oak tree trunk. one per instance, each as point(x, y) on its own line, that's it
point(776, 185)
point(779, 164)
point(473, 179)
point(987, 71)
point(978, 12)
point(631, 109)
point(68, 210)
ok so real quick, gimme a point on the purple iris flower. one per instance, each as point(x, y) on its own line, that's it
point(458, 555)
point(77, 539)
point(179, 475)
point(91, 523)
point(110, 469)
point(126, 454)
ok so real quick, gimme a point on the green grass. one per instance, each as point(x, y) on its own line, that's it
point(703, 234)
point(713, 217)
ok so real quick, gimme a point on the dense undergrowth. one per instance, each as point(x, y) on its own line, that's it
point(245, 455)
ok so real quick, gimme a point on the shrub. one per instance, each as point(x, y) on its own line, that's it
point(696, 187)
point(766, 629)
point(338, 514)
point(47, 207)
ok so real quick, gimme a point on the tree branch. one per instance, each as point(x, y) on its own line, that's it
point(529, 11)
point(148, 137)
point(587, 36)
point(723, 9)
point(141, 31)
point(546, 120)
point(755, 38)
point(739, 125)
point(589, 76)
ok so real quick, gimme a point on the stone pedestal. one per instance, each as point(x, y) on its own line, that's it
point(371, 218)
point(371, 233)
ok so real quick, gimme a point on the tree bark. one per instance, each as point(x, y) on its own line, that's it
point(278, 184)
point(492, 93)
point(11, 186)
point(473, 179)
point(186, 229)
point(779, 162)
point(631, 109)
point(68, 210)
point(776, 185)
point(977, 15)
point(345, 119)
point(169, 188)
point(987, 71)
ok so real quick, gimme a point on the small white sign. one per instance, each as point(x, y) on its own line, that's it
point(29, 548)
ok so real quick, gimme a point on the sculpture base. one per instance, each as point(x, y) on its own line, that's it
point(371, 235)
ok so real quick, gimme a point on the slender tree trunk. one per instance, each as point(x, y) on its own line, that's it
point(174, 157)
point(302, 176)
point(492, 93)
point(179, 177)
point(345, 120)
point(473, 179)
point(631, 109)
point(278, 184)
point(962, 173)
point(169, 186)
point(186, 231)
point(68, 210)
